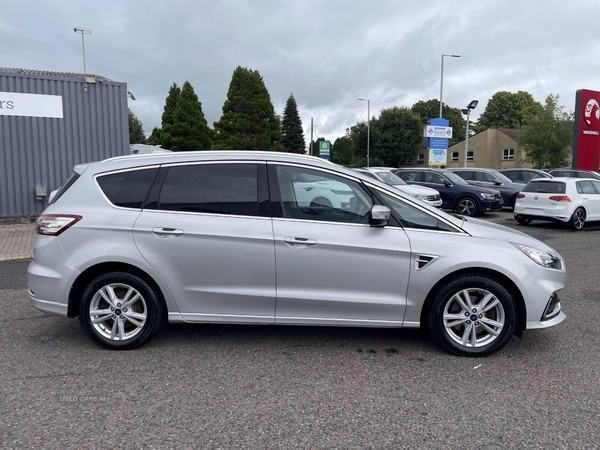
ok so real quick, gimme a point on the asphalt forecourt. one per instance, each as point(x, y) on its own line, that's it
point(217, 386)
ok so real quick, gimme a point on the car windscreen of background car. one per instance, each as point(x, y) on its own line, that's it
point(391, 178)
point(545, 187)
point(127, 189)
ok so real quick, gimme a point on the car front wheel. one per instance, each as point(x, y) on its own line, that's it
point(120, 311)
point(466, 206)
point(472, 315)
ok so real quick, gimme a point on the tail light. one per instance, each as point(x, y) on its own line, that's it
point(520, 195)
point(560, 198)
point(53, 225)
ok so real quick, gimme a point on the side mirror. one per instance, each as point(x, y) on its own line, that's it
point(497, 182)
point(447, 183)
point(379, 216)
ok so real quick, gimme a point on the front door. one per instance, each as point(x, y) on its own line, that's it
point(332, 267)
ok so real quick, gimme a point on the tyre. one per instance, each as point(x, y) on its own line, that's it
point(466, 206)
point(577, 220)
point(522, 219)
point(120, 311)
point(320, 202)
point(472, 315)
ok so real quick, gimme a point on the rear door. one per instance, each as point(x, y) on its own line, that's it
point(207, 232)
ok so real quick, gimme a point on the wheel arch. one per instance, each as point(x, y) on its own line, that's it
point(95, 271)
point(506, 282)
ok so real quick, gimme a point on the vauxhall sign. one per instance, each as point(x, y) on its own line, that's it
point(31, 105)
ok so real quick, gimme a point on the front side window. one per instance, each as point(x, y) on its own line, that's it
point(127, 189)
point(412, 217)
point(486, 177)
point(585, 187)
point(310, 194)
point(434, 178)
point(211, 188)
point(596, 186)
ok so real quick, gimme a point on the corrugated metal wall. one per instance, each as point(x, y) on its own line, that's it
point(42, 151)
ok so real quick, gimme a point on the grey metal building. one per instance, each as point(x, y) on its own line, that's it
point(49, 122)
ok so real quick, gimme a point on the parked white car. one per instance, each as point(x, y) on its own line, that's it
point(571, 200)
point(385, 174)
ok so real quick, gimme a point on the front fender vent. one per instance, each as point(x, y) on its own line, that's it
point(422, 261)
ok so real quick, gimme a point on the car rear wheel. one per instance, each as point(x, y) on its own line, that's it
point(466, 206)
point(522, 219)
point(120, 311)
point(472, 315)
point(578, 219)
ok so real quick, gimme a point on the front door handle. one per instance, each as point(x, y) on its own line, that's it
point(299, 242)
point(167, 232)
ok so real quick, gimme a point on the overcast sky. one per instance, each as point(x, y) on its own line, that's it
point(327, 53)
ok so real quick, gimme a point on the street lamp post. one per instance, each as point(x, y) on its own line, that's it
point(442, 80)
point(467, 111)
point(368, 126)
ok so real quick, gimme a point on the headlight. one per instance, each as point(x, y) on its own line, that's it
point(421, 197)
point(542, 258)
point(487, 196)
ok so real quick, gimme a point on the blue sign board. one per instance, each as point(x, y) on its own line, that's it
point(437, 143)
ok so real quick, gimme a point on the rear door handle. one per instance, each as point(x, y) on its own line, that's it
point(299, 242)
point(167, 232)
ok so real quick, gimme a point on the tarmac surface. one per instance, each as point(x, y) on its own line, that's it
point(16, 240)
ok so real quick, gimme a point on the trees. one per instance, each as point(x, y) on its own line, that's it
point(505, 110)
point(188, 129)
point(397, 135)
point(291, 128)
point(342, 151)
point(431, 108)
point(136, 129)
point(184, 126)
point(548, 134)
point(248, 121)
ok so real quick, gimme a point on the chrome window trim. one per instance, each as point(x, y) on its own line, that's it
point(167, 211)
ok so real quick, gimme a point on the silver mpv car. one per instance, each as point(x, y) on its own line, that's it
point(236, 237)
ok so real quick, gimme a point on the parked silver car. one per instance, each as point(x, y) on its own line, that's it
point(385, 174)
point(222, 237)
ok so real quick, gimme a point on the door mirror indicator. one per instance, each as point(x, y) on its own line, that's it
point(379, 216)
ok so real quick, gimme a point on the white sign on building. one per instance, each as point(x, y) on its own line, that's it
point(438, 132)
point(31, 105)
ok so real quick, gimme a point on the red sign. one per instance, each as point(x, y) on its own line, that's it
point(586, 139)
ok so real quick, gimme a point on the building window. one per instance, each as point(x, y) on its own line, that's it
point(470, 155)
point(454, 157)
point(421, 159)
point(508, 154)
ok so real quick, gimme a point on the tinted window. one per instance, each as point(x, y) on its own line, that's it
point(410, 175)
point(211, 188)
point(411, 217)
point(596, 185)
point(465, 175)
point(127, 189)
point(313, 195)
point(585, 187)
point(72, 179)
point(545, 187)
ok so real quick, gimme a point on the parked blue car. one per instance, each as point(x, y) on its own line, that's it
point(456, 193)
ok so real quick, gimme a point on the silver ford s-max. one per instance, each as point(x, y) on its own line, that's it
point(272, 238)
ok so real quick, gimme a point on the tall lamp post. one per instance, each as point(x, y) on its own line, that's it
point(368, 126)
point(467, 111)
point(442, 80)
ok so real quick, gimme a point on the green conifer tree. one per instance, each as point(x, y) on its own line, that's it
point(136, 129)
point(189, 129)
point(248, 121)
point(291, 128)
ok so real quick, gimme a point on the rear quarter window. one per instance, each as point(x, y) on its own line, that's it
point(545, 187)
point(72, 179)
point(127, 189)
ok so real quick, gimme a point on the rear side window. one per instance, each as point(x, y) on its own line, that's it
point(409, 176)
point(72, 179)
point(212, 188)
point(127, 189)
point(585, 187)
point(545, 187)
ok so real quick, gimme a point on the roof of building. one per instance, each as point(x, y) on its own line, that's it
point(48, 73)
point(512, 133)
